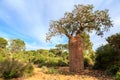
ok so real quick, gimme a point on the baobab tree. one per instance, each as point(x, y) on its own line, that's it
point(81, 19)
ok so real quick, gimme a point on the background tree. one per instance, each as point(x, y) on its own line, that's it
point(114, 40)
point(17, 45)
point(82, 19)
point(56, 52)
point(87, 44)
point(108, 56)
point(3, 43)
point(62, 47)
point(89, 54)
point(3, 50)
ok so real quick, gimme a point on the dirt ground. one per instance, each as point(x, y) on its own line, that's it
point(87, 74)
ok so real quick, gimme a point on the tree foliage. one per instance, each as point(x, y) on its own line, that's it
point(62, 47)
point(82, 19)
point(108, 56)
point(57, 52)
point(13, 69)
point(17, 45)
point(3, 43)
point(114, 40)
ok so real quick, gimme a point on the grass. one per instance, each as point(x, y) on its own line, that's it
point(54, 74)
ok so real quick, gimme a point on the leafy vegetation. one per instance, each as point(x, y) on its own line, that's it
point(117, 76)
point(112, 70)
point(13, 69)
point(108, 56)
point(16, 45)
point(4, 54)
point(50, 70)
point(3, 43)
point(114, 40)
point(88, 62)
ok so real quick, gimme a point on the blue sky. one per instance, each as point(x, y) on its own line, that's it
point(29, 20)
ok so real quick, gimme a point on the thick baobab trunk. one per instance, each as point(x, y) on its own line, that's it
point(76, 60)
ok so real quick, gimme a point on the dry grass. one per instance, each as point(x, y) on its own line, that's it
point(87, 74)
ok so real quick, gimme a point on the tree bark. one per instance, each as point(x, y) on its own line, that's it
point(76, 60)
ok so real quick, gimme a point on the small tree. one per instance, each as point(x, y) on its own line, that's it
point(106, 56)
point(81, 19)
point(3, 43)
point(114, 40)
point(17, 45)
point(62, 47)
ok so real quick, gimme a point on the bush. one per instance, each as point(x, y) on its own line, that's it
point(28, 69)
point(88, 61)
point(50, 70)
point(44, 69)
point(55, 61)
point(106, 56)
point(13, 69)
point(117, 76)
point(49, 61)
point(62, 63)
point(24, 56)
point(42, 58)
point(39, 61)
point(4, 54)
point(112, 70)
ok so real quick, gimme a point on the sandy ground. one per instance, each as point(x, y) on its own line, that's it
point(87, 74)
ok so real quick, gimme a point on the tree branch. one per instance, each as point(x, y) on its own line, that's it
point(66, 33)
point(80, 29)
point(69, 36)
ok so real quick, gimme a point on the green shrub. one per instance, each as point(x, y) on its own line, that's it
point(44, 69)
point(56, 52)
point(42, 58)
point(112, 70)
point(13, 69)
point(49, 70)
point(39, 61)
point(4, 54)
point(23, 56)
point(88, 61)
point(106, 56)
point(117, 76)
point(28, 69)
point(55, 61)
point(62, 62)
point(51, 62)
